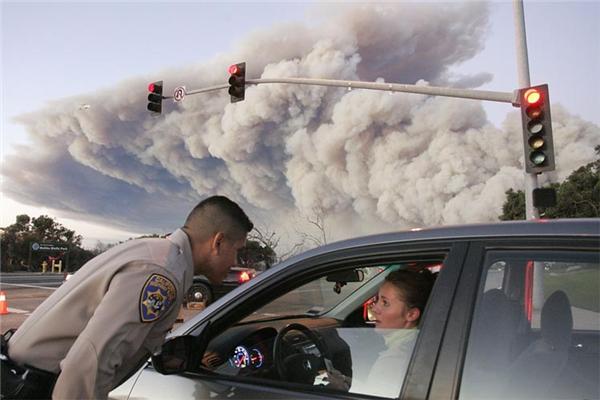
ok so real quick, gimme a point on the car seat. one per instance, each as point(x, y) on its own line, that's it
point(538, 367)
point(492, 337)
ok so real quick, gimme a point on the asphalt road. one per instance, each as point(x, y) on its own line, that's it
point(34, 279)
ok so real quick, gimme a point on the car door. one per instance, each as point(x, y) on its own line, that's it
point(525, 322)
point(233, 322)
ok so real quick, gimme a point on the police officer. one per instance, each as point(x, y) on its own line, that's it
point(101, 324)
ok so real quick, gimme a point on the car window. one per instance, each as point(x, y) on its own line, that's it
point(317, 296)
point(319, 335)
point(536, 327)
point(580, 283)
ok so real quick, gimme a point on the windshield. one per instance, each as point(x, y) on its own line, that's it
point(314, 298)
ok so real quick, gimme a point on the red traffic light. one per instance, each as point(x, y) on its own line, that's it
point(155, 87)
point(237, 82)
point(532, 96)
point(155, 97)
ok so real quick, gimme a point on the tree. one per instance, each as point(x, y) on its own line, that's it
point(18, 238)
point(270, 240)
point(318, 236)
point(514, 207)
point(577, 197)
point(256, 255)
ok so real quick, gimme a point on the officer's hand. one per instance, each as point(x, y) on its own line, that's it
point(211, 359)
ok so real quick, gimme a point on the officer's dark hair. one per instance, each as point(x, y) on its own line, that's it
point(414, 286)
point(219, 214)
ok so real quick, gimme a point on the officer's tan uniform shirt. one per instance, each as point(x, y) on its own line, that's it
point(91, 330)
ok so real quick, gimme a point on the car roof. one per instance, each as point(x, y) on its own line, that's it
point(576, 227)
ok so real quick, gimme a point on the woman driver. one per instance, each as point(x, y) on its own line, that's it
point(397, 311)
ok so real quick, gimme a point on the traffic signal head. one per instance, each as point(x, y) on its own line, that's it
point(537, 129)
point(155, 97)
point(237, 82)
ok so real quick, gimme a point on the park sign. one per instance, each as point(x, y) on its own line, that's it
point(48, 247)
point(61, 249)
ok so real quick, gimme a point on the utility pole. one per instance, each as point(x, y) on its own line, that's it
point(531, 181)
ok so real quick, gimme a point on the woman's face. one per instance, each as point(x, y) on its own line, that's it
point(390, 310)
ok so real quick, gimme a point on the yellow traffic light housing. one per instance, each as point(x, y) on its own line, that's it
point(537, 129)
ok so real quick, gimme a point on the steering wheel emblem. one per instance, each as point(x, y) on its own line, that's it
point(307, 365)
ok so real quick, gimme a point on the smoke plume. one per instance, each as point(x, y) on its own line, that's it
point(367, 161)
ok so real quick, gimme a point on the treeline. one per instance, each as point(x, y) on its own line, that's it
point(21, 242)
point(577, 197)
point(24, 247)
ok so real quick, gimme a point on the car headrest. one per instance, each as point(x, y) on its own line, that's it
point(557, 321)
point(494, 306)
point(495, 327)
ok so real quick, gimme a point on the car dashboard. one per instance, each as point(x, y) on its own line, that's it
point(248, 349)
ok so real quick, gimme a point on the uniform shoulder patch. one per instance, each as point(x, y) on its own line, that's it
point(158, 294)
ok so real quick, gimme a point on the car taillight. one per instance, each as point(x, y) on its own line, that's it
point(244, 277)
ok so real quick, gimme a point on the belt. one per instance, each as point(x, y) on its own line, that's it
point(23, 382)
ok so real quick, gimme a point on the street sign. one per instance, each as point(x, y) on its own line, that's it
point(48, 247)
point(179, 93)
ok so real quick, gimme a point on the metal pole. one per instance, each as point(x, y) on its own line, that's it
point(531, 181)
point(502, 97)
point(29, 258)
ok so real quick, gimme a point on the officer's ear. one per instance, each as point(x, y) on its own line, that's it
point(217, 243)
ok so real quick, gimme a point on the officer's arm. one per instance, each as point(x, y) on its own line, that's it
point(117, 331)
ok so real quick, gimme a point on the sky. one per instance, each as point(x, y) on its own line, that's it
point(367, 161)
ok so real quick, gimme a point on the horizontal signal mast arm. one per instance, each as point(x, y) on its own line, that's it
point(203, 90)
point(503, 97)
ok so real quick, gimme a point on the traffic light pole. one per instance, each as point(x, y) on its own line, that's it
point(531, 181)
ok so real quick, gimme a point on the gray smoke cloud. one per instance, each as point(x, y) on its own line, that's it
point(369, 161)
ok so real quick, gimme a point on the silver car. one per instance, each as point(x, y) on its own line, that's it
point(514, 313)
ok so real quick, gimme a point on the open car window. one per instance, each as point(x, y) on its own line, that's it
point(318, 334)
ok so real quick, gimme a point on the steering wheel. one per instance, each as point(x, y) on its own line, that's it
point(304, 366)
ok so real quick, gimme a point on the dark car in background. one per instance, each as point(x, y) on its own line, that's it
point(202, 291)
point(514, 314)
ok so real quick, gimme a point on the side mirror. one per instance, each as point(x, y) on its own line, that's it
point(349, 275)
point(176, 355)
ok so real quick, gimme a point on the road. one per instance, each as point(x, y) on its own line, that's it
point(34, 279)
point(24, 292)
